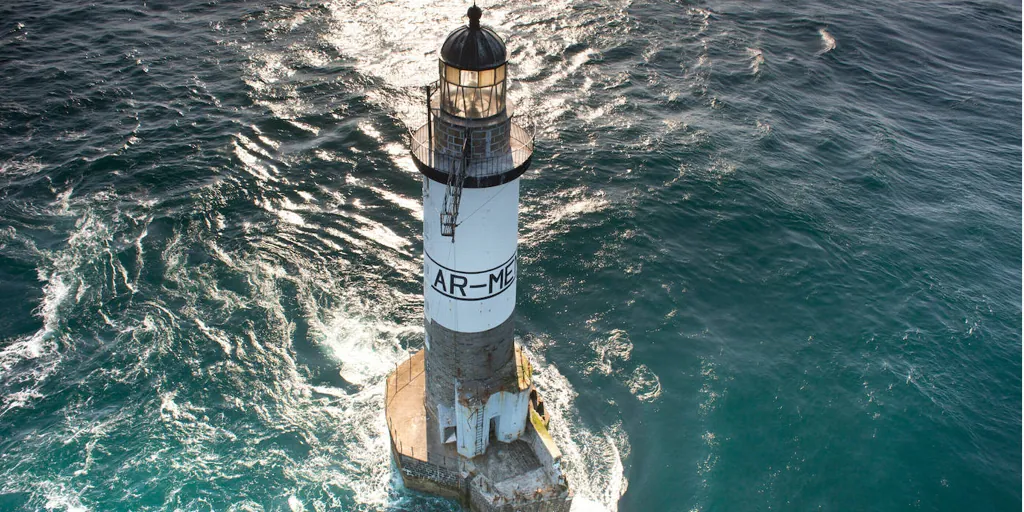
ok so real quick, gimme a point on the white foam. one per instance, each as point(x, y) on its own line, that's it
point(365, 350)
point(592, 460)
point(709, 391)
point(828, 42)
point(61, 273)
point(756, 59)
point(644, 384)
point(59, 497)
point(215, 335)
point(358, 335)
point(613, 358)
point(612, 351)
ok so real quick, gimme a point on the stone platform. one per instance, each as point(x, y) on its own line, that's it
point(523, 475)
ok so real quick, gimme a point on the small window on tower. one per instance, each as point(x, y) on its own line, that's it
point(449, 434)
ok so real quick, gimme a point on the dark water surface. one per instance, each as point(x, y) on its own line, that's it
point(771, 252)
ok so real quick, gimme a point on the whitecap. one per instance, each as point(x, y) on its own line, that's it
point(757, 59)
point(59, 497)
point(828, 42)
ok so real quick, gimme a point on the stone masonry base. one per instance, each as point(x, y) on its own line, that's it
point(521, 476)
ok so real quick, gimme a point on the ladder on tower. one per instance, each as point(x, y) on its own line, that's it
point(453, 191)
point(479, 430)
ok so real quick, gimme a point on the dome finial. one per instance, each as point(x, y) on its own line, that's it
point(474, 17)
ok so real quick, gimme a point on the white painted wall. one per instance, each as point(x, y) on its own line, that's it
point(511, 408)
point(469, 285)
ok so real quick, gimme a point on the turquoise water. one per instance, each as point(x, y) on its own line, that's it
point(771, 252)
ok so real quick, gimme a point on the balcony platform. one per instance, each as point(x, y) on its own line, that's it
point(498, 167)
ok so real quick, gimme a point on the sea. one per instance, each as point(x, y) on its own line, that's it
point(770, 252)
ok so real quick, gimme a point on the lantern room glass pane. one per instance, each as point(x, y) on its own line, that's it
point(451, 75)
point(499, 73)
point(469, 78)
point(487, 77)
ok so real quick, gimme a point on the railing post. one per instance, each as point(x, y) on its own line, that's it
point(430, 131)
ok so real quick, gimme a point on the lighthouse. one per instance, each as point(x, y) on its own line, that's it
point(464, 418)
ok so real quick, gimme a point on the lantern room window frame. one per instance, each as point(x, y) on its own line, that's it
point(473, 94)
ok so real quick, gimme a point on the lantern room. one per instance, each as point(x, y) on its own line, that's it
point(471, 138)
point(472, 64)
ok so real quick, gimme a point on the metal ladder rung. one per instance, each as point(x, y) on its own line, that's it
point(453, 191)
point(479, 431)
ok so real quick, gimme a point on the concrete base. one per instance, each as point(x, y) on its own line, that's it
point(523, 475)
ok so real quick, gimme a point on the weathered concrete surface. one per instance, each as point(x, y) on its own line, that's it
point(414, 432)
point(511, 477)
point(503, 461)
point(484, 359)
point(482, 501)
point(403, 407)
point(424, 462)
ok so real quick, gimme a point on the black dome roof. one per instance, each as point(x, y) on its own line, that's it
point(474, 47)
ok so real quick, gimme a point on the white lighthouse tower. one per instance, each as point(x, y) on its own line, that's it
point(472, 154)
point(464, 417)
